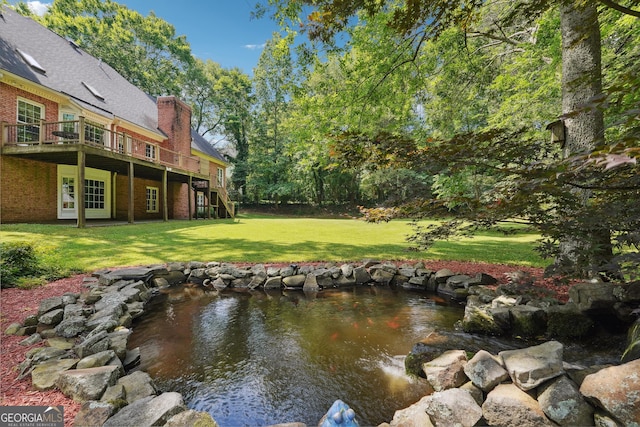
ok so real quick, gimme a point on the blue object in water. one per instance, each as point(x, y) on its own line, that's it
point(340, 415)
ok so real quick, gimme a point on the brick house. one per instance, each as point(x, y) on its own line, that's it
point(67, 118)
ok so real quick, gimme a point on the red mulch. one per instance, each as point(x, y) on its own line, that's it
point(17, 304)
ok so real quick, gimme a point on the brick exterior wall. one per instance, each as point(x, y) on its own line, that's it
point(174, 119)
point(176, 199)
point(28, 190)
point(9, 105)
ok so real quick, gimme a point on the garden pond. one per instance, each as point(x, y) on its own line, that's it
point(268, 357)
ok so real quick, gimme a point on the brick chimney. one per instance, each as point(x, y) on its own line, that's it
point(174, 119)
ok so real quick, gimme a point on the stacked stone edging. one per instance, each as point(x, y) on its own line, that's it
point(527, 387)
point(87, 356)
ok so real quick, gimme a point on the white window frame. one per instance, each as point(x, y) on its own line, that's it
point(153, 203)
point(35, 124)
point(150, 151)
point(94, 133)
point(220, 177)
point(69, 173)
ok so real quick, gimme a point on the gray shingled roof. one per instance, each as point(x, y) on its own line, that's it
point(199, 143)
point(67, 67)
point(68, 70)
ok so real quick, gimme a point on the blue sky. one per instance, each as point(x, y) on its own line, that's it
point(220, 30)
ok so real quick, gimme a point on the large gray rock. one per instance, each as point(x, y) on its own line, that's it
point(137, 385)
point(93, 344)
point(381, 276)
point(115, 395)
point(528, 321)
point(628, 292)
point(274, 282)
point(443, 274)
point(453, 407)
point(311, 283)
point(562, 402)
point(507, 405)
point(71, 326)
point(485, 371)
point(87, 384)
point(485, 319)
point(110, 301)
point(13, 329)
point(191, 418)
point(258, 279)
point(98, 359)
point(616, 390)
point(413, 416)
point(133, 273)
point(529, 367)
point(93, 413)
point(567, 321)
point(45, 375)
point(296, 281)
point(361, 275)
point(593, 296)
point(118, 342)
point(52, 317)
point(447, 370)
point(147, 412)
point(49, 304)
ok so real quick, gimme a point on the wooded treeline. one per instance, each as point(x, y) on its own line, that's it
point(418, 108)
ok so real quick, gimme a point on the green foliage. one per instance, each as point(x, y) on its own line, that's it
point(394, 186)
point(16, 260)
point(145, 50)
point(21, 265)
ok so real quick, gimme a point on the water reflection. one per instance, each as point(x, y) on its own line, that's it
point(266, 358)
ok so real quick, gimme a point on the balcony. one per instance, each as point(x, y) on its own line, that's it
point(62, 142)
point(67, 136)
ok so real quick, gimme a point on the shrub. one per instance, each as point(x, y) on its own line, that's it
point(16, 260)
point(21, 266)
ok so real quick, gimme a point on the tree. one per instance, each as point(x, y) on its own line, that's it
point(572, 196)
point(145, 50)
point(236, 112)
point(273, 82)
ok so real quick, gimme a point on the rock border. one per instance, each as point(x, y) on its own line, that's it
point(88, 360)
point(527, 387)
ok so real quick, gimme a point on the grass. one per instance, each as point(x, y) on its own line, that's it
point(256, 239)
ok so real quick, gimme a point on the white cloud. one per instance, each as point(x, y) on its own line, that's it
point(38, 7)
point(254, 46)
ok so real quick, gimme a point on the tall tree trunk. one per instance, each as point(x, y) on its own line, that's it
point(584, 123)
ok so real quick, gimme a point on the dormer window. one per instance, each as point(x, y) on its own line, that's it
point(31, 61)
point(93, 91)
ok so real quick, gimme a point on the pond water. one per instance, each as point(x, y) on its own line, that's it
point(261, 358)
point(255, 359)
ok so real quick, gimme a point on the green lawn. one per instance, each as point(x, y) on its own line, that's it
point(252, 238)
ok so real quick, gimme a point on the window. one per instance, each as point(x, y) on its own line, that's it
point(152, 199)
point(220, 177)
point(93, 194)
point(68, 193)
point(68, 126)
point(94, 133)
point(97, 193)
point(150, 151)
point(29, 114)
point(126, 145)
